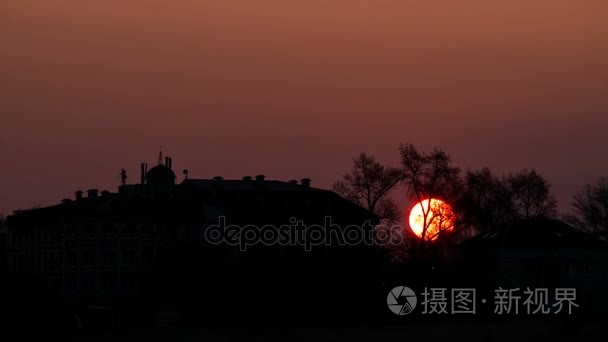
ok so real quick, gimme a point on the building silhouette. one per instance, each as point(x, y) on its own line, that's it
point(538, 253)
point(145, 244)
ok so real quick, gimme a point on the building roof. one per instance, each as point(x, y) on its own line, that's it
point(245, 185)
point(534, 234)
point(203, 199)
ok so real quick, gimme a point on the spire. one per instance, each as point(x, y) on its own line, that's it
point(160, 156)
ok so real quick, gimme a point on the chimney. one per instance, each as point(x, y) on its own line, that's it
point(305, 182)
point(91, 193)
point(293, 181)
point(170, 163)
point(142, 177)
point(247, 178)
point(260, 178)
point(78, 194)
point(167, 161)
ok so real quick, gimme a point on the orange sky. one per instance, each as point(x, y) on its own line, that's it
point(294, 89)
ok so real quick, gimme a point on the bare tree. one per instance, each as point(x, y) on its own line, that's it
point(531, 195)
point(489, 201)
point(441, 218)
point(428, 176)
point(486, 200)
point(369, 184)
point(591, 208)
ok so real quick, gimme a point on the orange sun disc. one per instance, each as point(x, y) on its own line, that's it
point(439, 218)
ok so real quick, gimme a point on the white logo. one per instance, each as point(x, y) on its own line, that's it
point(401, 300)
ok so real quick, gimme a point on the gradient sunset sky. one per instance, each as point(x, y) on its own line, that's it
point(294, 89)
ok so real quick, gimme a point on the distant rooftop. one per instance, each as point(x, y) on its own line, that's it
point(536, 233)
point(246, 185)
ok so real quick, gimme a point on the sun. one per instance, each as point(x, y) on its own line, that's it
point(440, 217)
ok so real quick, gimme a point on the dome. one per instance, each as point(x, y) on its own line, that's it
point(160, 174)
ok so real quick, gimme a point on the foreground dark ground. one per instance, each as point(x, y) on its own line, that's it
point(462, 331)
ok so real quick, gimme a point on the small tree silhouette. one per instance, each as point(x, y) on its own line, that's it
point(368, 184)
point(486, 201)
point(591, 208)
point(531, 195)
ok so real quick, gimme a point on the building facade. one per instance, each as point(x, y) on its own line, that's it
point(102, 247)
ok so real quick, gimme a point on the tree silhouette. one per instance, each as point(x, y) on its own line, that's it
point(368, 184)
point(427, 176)
point(476, 202)
point(531, 195)
point(591, 208)
point(441, 217)
point(488, 201)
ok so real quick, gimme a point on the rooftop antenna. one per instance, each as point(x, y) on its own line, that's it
point(123, 176)
point(142, 173)
point(160, 156)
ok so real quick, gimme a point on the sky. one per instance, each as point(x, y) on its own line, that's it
point(294, 89)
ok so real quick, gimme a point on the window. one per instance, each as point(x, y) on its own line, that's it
point(109, 232)
point(45, 262)
point(128, 257)
point(148, 258)
point(88, 232)
point(71, 258)
point(586, 269)
point(88, 284)
point(70, 283)
point(109, 283)
point(108, 258)
point(88, 258)
point(128, 284)
point(129, 232)
point(147, 232)
point(577, 269)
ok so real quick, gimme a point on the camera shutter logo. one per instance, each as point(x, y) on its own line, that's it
point(401, 300)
